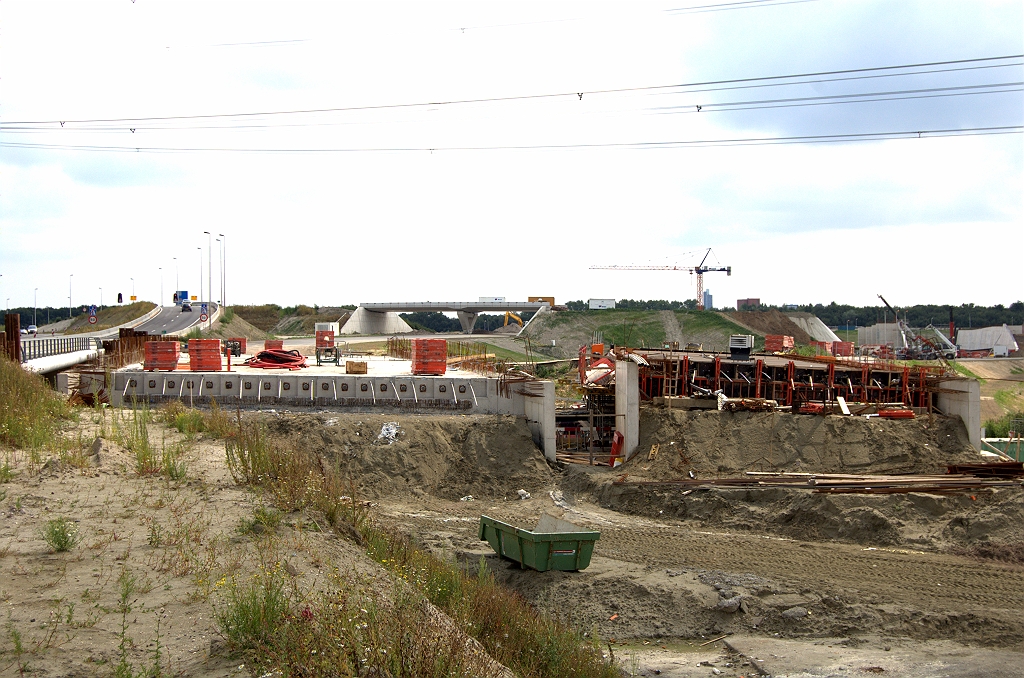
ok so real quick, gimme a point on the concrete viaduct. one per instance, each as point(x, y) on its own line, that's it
point(467, 311)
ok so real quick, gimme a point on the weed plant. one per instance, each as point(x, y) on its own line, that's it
point(61, 534)
point(30, 411)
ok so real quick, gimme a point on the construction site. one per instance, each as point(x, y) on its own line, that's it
point(758, 511)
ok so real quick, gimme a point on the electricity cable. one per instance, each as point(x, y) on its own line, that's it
point(452, 102)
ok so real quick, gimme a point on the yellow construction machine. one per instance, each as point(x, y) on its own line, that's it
point(509, 315)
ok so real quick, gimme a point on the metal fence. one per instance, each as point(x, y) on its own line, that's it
point(40, 348)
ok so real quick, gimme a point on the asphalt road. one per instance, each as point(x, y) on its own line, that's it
point(171, 320)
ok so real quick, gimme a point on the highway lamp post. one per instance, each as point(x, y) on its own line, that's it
point(209, 266)
point(35, 304)
point(101, 297)
point(70, 276)
point(177, 287)
point(133, 288)
point(223, 275)
point(161, 269)
point(200, 274)
point(220, 276)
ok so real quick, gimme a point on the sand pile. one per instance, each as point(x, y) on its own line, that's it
point(447, 456)
point(712, 443)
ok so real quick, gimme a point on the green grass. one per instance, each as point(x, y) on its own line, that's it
point(31, 413)
point(507, 354)
point(961, 369)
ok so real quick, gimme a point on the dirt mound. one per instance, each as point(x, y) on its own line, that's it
point(445, 456)
point(713, 443)
point(236, 327)
point(769, 322)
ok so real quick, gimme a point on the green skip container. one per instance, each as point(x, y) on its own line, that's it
point(553, 545)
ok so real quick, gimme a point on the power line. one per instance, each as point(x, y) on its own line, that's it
point(836, 98)
point(696, 143)
point(526, 97)
point(742, 4)
point(706, 107)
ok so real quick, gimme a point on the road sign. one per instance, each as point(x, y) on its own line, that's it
point(92, 320)
point(203, 317)
point(133, 298)
point(204, 308)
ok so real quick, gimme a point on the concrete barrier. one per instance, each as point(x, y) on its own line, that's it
point(534, 400)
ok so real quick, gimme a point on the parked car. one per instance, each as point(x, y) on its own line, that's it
point(186, 307)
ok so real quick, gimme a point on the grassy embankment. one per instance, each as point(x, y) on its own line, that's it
point(110, 317)
point(273, 627)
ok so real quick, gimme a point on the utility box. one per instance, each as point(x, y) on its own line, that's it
point(328, 327)
point(740, 346)
point(598, 304)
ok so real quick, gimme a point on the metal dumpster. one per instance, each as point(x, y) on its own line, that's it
point(553, 545)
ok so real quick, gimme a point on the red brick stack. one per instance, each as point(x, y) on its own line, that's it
point(162, 355)
point(325, 338)
point(204, 355)
point(429, 356)
point(842, 348)
point(777, 343)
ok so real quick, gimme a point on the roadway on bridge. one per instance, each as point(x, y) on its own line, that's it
point(171, 320)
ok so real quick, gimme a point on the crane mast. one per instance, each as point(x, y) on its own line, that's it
point(700, 270)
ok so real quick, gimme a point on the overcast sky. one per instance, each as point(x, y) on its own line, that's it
point(429, 151)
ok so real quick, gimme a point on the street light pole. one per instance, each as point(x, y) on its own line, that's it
point(101, 297)
point(200, 274)
point(220, 276)
point(35, 304)
point(223, 275)
point(209, 269)
point(70, 276)
point(133, 289)
point(177, 287)
point(161, 269)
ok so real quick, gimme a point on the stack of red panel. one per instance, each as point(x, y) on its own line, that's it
point(842, 348)
point(273, 345)
point(777, 343)
point(325, 338)
point(429, 356)
point(204, 355)
point(162, 355)
point(824, 347)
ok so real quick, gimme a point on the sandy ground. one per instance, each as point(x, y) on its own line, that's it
point(718, 582)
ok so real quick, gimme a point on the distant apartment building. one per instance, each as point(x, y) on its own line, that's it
point(743, 304)
point(707, 300)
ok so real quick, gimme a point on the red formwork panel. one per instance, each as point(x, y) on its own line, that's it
point(162, 355)
point(842, 348)
point(204, 355)
point(429, 356)
point(273, 344)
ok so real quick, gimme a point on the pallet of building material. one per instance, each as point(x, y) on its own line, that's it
point(161, 355)
point(355, 367)
point(204, 355)
point(777, 343)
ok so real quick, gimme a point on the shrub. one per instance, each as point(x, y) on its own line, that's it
point(61, 534)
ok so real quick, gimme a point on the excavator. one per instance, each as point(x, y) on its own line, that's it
point(509, 315)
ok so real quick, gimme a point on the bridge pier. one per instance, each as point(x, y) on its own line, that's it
point(467, 319)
